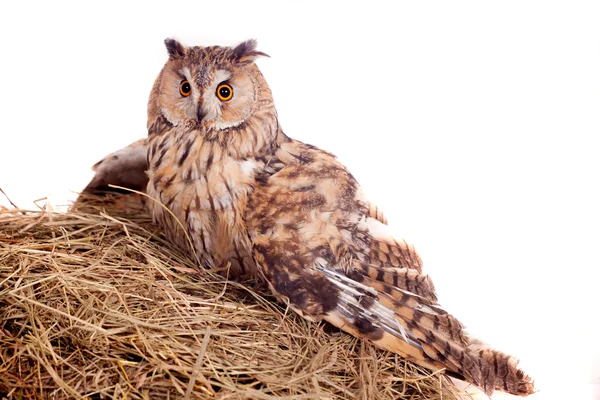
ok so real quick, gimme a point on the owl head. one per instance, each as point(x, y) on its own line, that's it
point(217, 90)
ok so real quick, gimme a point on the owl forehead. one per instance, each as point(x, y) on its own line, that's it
point(207, 66)
point(215, 55)
point(205, 75)
point(206, 61)
point(201, 74)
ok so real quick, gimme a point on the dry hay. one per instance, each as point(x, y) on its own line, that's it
point(95, 305)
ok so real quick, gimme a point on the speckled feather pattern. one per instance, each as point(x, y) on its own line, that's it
point(242, 197)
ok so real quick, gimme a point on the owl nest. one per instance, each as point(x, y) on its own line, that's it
point(96, 304)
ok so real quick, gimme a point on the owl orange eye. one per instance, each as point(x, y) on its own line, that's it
point(185, 89)
point(224, 92)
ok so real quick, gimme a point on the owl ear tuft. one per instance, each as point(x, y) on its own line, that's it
point(246, 52)
point(174, 48)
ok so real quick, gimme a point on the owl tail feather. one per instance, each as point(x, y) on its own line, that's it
point(415, 327)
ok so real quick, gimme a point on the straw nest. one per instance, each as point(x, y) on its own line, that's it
point(96, 304)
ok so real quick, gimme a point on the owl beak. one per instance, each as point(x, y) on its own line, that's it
point(199, 113)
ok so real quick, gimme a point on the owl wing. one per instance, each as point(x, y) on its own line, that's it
point(323, 250)
point(126, 168)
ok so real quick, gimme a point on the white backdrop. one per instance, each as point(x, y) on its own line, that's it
point(473, 125)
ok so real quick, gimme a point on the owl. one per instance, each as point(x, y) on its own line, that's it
point(244, 199)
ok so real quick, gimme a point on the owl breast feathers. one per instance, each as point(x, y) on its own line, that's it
point(243, 198)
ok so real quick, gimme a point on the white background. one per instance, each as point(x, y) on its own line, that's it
point(474, 125)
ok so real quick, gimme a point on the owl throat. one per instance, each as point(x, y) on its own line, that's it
point(201, 182)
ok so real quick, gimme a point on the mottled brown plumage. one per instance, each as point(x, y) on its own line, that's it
point(244, 198)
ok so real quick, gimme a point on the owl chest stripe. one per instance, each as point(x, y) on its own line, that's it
point(221, 189)
point(186, 151)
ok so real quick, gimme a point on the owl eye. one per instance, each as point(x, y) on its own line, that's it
point(185, 89)
point(224, 92)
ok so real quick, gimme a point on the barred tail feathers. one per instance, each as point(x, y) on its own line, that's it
point(400, 320)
